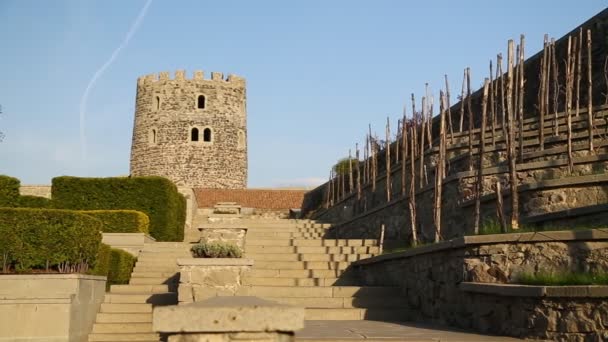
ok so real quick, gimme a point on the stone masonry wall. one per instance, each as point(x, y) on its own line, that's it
point(36, 190)
point(431, 277)
point(167, 111)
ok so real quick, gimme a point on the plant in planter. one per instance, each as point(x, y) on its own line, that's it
point(216, 250)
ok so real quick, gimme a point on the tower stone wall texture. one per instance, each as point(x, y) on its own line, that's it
point(195, 147)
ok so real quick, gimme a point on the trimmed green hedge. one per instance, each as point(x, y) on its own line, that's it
point(121, 221)
point(9, 191)
point(28, 201)
point(47, 239)
point(156, 196)
point(115, 264)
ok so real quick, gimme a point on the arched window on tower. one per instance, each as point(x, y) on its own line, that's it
point(194, 134)
point(157, 103)
point(200, 103)
point(207, 135)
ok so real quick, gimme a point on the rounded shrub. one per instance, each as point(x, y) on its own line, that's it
point(216, 250)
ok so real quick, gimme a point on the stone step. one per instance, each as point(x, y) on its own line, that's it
point(312, 250)
point(124, 318)
point(142, 337)
point(318, 291)
point(306, 257)
point(153, 281)
point(375, 314)
point(147, 268)
point(276, 281)
point(283, 273)
point(152, 263)
point(132, 288)
point(154, 274)
point(283, 235)
point(344, 303)
point(168, 298)
point(164, 256)
point(125, 308)
point(301, 265)
point(122, 328)
point(310, 243)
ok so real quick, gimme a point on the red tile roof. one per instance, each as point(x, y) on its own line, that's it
point(251, 198)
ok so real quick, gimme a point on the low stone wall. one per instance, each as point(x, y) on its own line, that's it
point(36, 190)
point(431, 277)
point(132, 243)
point(230, 319)
point(49, 307)
point(204, 278)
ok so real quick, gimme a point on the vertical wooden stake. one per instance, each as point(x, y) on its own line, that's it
point(492, 106)
point(328, 192)
point(503, 111)
point(555, 73)
point(421, 146)
point(569, 86)
point(589, 92)
point(358, 171)
point(511, 141)
point(388, 160)
point(500, 213)
point(351, 180)
point(447, 96)
point(578, 70)
point(479, 187)
point(464, 82)
point(541, 96)
point(372, 145)
point(412, 197)
point(429, 121)
point(381, 240)
point(440, 169)
point(470, 119)
point(521, 92)
point(403, 152)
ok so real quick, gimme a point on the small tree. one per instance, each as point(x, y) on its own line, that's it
point(342, 166)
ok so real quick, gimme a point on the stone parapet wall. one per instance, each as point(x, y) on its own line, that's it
point(258, 199)
point(431, 279)
point(36, 190)
point(204, 278)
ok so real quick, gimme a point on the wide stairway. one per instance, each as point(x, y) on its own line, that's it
point(126, 313)
point(293, 264)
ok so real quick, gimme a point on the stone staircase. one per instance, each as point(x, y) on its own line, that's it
point(126, 313)
point(294, 265)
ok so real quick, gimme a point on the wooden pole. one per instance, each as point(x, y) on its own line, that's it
point(351, 180)
point(500, 213)
point(492, 106)
point(547, 83)
point(541, 95)
point(503, 121)
point(381, 240)
point(439, 169)
point(470, 119)
point(569, 84)
point(403, 152)
point(589, 92)
point(521, 96)
point(397, 132)
point(358, 172)
point(372, 145)
point(578, 70)
point(511, 141)
point(429, 121)
point(388, 159)
point(555, 73)
point(421, 146)
point(412, 197)
point(479, 187)
point(328, 192)
point(447, 95)
point(464, 82)
point(414, 123)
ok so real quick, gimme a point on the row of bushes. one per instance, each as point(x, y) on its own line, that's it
point(123, 204)
point(59, 241)
point(47, 239)
point(155, 196)
point(115, 264)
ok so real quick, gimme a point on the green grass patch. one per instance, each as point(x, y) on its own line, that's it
point(562, 278)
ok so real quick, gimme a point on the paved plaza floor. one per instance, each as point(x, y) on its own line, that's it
point(368, 331)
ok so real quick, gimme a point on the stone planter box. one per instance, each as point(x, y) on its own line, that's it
point(203, 278)
point(130, 242)
point(49, 307)
point(234, 234)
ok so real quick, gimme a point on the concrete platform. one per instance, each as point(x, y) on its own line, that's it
point(368, 331)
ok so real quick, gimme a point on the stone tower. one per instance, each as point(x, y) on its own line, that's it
point(192, 131)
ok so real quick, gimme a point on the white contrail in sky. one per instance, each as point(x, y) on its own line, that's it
point(100, 71)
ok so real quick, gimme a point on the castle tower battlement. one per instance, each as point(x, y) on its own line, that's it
point(191, 130)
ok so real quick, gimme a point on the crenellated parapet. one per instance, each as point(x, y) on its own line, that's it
point(197, 75)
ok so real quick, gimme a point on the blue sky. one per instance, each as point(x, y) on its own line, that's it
point(318, 72)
